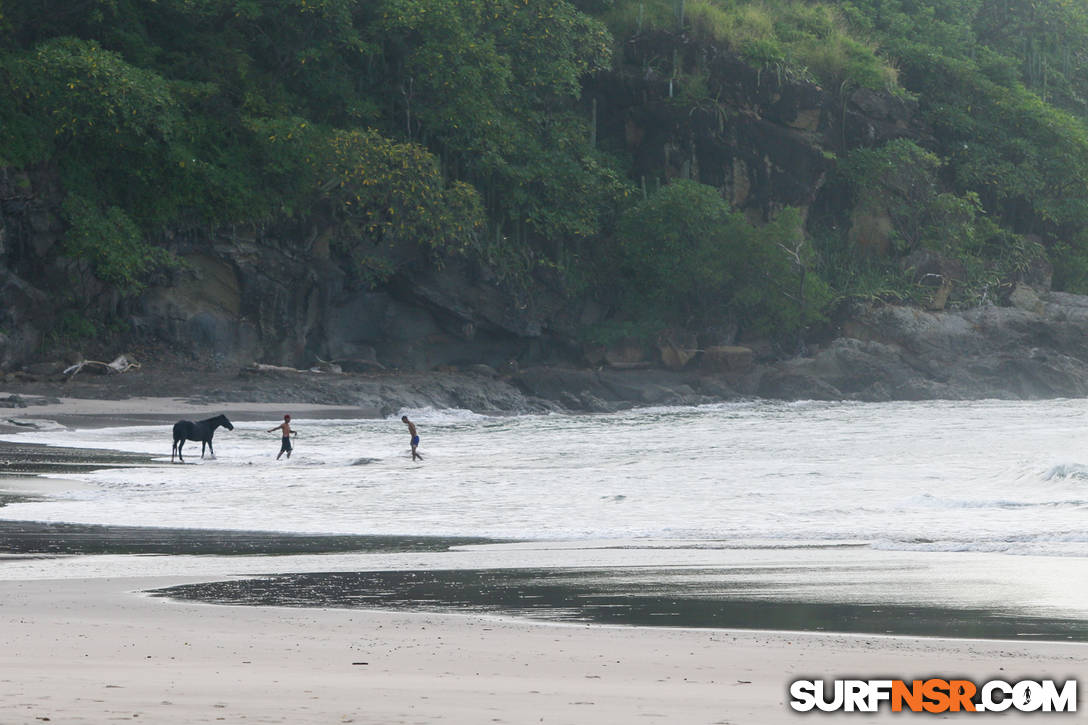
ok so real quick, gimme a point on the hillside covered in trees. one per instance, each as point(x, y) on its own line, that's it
point(301, 179)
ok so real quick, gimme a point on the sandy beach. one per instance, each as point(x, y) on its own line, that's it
point(100, 413)
point(97, 649)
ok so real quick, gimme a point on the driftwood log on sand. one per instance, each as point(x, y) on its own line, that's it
point(321, 367)
point(120, 364)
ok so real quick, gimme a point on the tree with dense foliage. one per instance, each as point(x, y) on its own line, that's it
point(683, 258)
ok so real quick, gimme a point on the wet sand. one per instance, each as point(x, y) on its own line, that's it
point(640, 596)
point(93, 413)
point(34, 537)
point(19, 459)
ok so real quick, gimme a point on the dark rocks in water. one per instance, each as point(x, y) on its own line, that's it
point(785, 385)
point(607, 390)
point(550, 383)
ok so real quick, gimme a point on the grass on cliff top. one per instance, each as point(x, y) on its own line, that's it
point(810, 40)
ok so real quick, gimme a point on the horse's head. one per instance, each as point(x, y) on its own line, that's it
point(223, 421)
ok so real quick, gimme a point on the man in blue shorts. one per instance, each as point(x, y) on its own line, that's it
point(415, 436)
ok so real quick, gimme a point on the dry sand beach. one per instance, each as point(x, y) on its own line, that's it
point(99, 649)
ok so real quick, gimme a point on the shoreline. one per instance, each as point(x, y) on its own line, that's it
point(568, 574)
point(377, 394)
point(85, 638)
point(95, 413)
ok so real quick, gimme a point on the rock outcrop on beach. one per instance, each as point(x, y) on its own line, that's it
point(882, 353)
point(901, 353)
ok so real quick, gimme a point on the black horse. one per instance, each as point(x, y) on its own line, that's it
point(202, 430)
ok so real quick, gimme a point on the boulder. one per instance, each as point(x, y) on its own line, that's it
point(626, 352)
point(1034, 349)
point(594, 354)
point(551, 383)
point(1025, 298)
point(677, 348)
point(786, 385)
point(675, 358)
point(728, 359)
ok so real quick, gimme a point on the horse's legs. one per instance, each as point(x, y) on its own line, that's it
point(173, 450)
point(210, 449)
point(202, 444)
point(180, 444)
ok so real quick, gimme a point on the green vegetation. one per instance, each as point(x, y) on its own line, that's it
point(810, 40)
point(419, 129)
point(110, 243)
point(1002, 85)
point(899, 210)
point(683, 258)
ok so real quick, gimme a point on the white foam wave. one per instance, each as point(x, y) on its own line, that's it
point(1067, 470)
point(750, 470)
point(440, 416)
point(930, 501)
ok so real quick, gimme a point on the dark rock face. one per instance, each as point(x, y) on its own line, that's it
point(27, 231)
point(870, 118)
point(24, 310)
point(257, 295)
point(202, 312)
point(765, 139)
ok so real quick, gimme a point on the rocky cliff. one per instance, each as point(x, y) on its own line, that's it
point(282, 293)
point(766, 138)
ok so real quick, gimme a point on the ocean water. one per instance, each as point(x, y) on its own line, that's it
point(988, 476)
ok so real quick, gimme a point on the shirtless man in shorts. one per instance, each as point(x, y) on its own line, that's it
point(415, 436)
point(285, 427)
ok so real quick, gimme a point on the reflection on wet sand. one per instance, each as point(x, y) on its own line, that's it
point(676, 598)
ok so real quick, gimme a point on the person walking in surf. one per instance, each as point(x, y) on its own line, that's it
point(285, 427)
point(415, 436)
